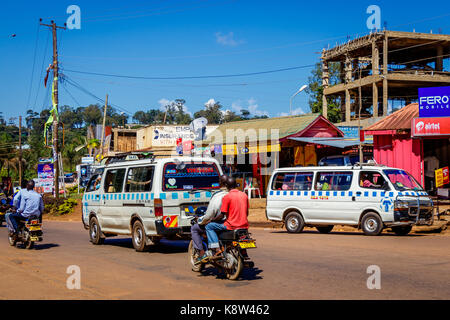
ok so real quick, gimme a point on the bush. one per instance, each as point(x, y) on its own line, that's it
point(59, 206)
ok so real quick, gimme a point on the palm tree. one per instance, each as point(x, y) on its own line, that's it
point(90, 144)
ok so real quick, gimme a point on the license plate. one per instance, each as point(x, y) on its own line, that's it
point(34, 238)
point(246, 245)
point(34, 228)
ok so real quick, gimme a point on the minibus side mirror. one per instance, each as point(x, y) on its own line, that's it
point(385, 186)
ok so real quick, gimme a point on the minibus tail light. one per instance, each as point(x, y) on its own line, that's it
point(158, 209)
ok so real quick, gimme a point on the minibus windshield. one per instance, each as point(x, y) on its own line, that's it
point(191, 176)
point(402, 180)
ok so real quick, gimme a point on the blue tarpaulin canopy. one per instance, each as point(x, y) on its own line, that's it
point(337, 142)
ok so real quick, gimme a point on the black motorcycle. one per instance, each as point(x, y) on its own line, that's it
point(29, 231)
point(234, 257)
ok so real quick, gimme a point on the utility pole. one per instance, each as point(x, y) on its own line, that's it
point(20, 151)
point(55, 124)
point(103, 127)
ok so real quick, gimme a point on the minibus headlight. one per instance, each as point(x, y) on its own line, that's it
point(401, 205)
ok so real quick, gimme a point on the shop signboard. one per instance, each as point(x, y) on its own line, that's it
point(45, 177)
point(167, 136)
point(87, 160)
point(445, 175)
point(434, 102)
point(422, 127)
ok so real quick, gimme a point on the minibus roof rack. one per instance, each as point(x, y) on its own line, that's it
point(129, 156)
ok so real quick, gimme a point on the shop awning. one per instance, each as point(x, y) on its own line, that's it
point(333, 142)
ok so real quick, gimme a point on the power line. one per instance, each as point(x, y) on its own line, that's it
point(192, 77)
point(34, 62)
point(79, 87)
point(42, 71)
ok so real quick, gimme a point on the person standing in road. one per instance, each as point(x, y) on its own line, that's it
point(213, 213)
point(235, 208)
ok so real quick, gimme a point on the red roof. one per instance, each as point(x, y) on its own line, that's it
point(399, 120)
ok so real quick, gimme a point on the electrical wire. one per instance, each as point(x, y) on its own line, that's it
point(193, 77)
point(79, 87)
point(34, 62)
point(42, 71)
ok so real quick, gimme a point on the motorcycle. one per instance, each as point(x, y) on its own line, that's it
point(234, 257)
point(29, 231)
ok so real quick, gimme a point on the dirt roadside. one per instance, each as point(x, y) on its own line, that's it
point(257, 218)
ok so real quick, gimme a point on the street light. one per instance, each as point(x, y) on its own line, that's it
point(299, 90)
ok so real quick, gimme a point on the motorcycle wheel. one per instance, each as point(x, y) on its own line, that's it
point(193, 255)
point(29, 245)
point(234, 272)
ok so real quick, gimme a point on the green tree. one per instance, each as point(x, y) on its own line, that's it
point(92, 115)
point(212, 112)
point(315, 91)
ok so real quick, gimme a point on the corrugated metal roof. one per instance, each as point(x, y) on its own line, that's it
point(399, 120)
point(286, 126)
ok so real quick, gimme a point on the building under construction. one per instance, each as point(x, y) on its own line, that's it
point(384, 66)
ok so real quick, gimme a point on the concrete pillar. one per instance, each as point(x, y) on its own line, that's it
point(385, 73)
point(348, 69)
point(375, 71)
point(347, 105)
point(375, 99)
point(325, 83)
point(439, 58)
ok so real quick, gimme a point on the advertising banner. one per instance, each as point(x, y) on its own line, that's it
point(45, 177)
point(167, 136)
point(434, 102)
point(430, 127)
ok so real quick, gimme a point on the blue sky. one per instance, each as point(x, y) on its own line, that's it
point(186, 38)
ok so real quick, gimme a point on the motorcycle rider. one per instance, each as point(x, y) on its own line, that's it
point(31, 204)
point(213, 213)
point(235, 209)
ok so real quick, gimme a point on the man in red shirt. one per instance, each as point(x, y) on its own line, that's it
point(235, 209)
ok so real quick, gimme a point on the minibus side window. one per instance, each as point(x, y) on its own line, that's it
point(371, 180)
point(114, 180)
point(299, 181)
point(334, 181)
point(139, 179)
point(94, 183)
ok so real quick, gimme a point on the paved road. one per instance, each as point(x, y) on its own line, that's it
point(288, 266)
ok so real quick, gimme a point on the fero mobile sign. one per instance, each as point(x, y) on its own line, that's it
point(434, 102)
point(423, 127)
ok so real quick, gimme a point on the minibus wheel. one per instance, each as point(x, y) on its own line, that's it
point(95, 233)
point(371, 224)
point(294, 222)
point(139, 237)
point(402, 230)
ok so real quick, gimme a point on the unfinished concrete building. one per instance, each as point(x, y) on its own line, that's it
point(386, 65)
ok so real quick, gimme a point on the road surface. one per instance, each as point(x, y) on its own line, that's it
point(287, 266)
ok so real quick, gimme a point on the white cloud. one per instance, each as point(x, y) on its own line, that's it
point(249, 105)
point(211, 102)
point(227, 39)
point(295, 112)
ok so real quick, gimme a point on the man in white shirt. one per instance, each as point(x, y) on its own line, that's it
point(213, 213)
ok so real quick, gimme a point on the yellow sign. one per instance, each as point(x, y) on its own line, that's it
point(439, 175)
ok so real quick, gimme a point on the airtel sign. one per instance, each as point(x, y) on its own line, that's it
point(430, 127)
